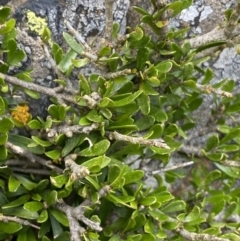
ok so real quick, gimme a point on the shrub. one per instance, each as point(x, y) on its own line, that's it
point(70, 176)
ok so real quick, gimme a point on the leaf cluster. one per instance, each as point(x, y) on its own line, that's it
point(146, 96)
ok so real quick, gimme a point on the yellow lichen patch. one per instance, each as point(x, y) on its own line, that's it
point(36, 24)
point(21, 114)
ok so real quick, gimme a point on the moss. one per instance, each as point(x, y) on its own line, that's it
point(35, 23)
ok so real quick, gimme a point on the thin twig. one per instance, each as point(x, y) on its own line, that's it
point(78, 36)
point(31, 171)
point(31, 157)
point(17, 220)
point(117, 74)
point(70, 130)
point(194, 236)
point(172, 167)
point(44, 90)
point(138, 140)
point(230, 163)
point(209, 90)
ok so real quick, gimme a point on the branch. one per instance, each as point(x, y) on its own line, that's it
point(77, 171)
point(217, 34)
point(172, 167)
point(209, 89)
point(54, 66)
point(69, 130)
point(230, 163)
point(92, 100)
point(31, 157)
point(117, 74)
point(44, 90)
point(194, 236)
point(77, 35)
point(31, 171)
point(138, 140)
point(77, 214)
point(17, 220)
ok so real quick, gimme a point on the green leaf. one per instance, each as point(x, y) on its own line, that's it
point(14, 55)
point(59, 181)
point(3, 153)
point(41, 186)
point(84, 85)
point(43, 217)
point(212, 176)
point(122, 200)
point(212, 142)
point(32, 94)
point(228, 148)
point(64, 236)
point(3, 138)
point(159, 114)
point(13, 184)
point(104, 51)
point(164, 67)
point(8, 26)
point(58, 112)
point(142, 57)
point(73, 44)
point(20, 212)
point(94, 116)
point(127, 100)
point(136, 35)
point(29, 185)
point(147, 201)
point(9, 227)
point(140, 10)
point(33, 206)
point(145, 122)
point(97, 149)
point(115, 30)
point(116, 176)
point(25, 143)
point(133, 176)
point(19, 201)
point(6, 125)
point(65, 64)
point(2, 106)
point(56, 227)
point(46, 35)
point(60, 217)
point(41, 142)
point(230, 136)
point(144, 103)
point(34, 125)
point(51, 198)
point(54, 154)
point(79, 63)
point(57, 53)
point(233, 108)
point(71, 144)
point(174, 206)
point(97, 163)
point(207, 77)
point(230, 236)
point(4, 13)
point(230, 171)
point(113, 62)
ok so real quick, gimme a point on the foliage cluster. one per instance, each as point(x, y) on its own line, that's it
point(69, 179)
